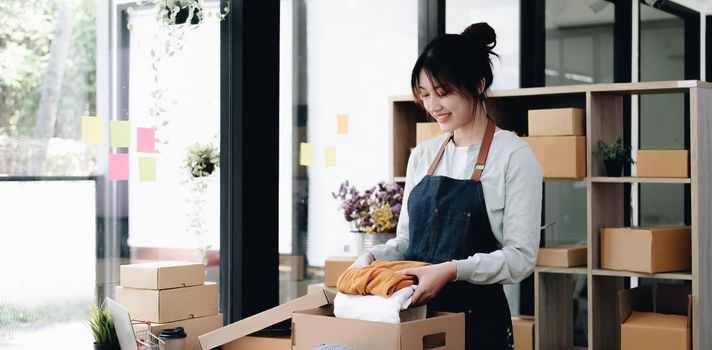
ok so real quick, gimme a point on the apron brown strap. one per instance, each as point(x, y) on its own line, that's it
point(484, 150)
point(435, 162)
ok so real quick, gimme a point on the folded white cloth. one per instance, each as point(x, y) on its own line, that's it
point(378, 308)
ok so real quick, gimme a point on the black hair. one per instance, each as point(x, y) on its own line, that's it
point(458, 62)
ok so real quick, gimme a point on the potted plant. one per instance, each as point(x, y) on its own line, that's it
point(201, 162)
point(102, 327)
point(614, 156)
point(372, 214)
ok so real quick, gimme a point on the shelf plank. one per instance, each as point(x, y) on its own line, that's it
point(563, 270)
point(633, 179)
point(685, 275)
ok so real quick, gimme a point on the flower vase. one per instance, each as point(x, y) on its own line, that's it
point(362, 241)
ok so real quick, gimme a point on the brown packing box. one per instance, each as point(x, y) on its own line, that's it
point(257, 342)
point(557, 122)
point(169, 305)
point(646, 249)
point(193, 328)
point(663, 324)
point(662, 163)
point(320, 286)
point(255, 323)
point(560, 157)
point(562, 256)
point(426, 131)
point(162, 275)
point(441, 330)
point(523, 329)
point(333, 267)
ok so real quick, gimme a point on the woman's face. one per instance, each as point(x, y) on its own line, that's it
point(450, 109)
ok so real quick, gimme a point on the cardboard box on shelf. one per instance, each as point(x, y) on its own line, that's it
point(562, 256)
point(662, 163)
point(557, 122)
point(523, 330)
point(334, 266)
point(560, 157)
point(426, 131)
point(162, 275)
point(646, 249)
point(169, 305)
point(660, 322)
point(193, 328)
point(258, 322)
point(440, 330)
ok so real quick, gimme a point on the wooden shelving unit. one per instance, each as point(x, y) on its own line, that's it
point(604, 104)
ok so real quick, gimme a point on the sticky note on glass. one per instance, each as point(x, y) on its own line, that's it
point(306, 154)
point(146, 141)
point(119, 167)
point(147, 169)
point(330, 156)
point(342, 124)
point(120, 133)
point(91, 130)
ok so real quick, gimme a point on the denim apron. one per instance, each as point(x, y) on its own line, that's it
point(448, 221)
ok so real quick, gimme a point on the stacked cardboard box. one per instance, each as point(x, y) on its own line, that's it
point(170, 294)
point(557, 138)
point(663, 163)
point(523, 331)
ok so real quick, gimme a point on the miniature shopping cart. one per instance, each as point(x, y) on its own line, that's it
point(145, 340)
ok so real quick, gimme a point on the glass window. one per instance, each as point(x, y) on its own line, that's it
point(662, 117)
point(337, 58)
point(503, 16)
point(579, 42)
point(47, 183)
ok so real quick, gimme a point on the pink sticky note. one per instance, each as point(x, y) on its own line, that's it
point(146, 140)
point(119, 167)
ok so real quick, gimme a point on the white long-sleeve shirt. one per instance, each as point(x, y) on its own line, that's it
point(512, 186)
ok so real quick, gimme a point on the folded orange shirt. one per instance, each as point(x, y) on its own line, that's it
point(379, 278)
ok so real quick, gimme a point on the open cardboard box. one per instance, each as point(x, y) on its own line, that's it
point(662, 321)
point(441, 330)
point(239, 335)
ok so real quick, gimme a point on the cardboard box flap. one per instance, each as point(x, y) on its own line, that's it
point(673, 299)
point(636, 299)
point(262, 320)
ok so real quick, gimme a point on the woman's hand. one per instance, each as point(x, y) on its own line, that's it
point(363, 260)
point(431, 279)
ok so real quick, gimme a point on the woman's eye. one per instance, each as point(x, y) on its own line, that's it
point(424, 96)
point(442, 92)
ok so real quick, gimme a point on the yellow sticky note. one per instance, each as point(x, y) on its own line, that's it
point(306, 154)
point(342, 124)
point(330, 156)
point(91, 130)
point(120, 133)
point(147, 169)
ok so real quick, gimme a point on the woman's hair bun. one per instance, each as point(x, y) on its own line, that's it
point(480, 34)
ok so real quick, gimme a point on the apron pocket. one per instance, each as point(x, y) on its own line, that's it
point(449, 234)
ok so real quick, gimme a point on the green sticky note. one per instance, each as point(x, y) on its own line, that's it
point(147, 169)
point(91, 130)
point(120, 133)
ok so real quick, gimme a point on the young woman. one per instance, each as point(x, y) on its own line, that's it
point(473, 194)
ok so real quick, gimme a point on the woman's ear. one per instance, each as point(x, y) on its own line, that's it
point(481, 86)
